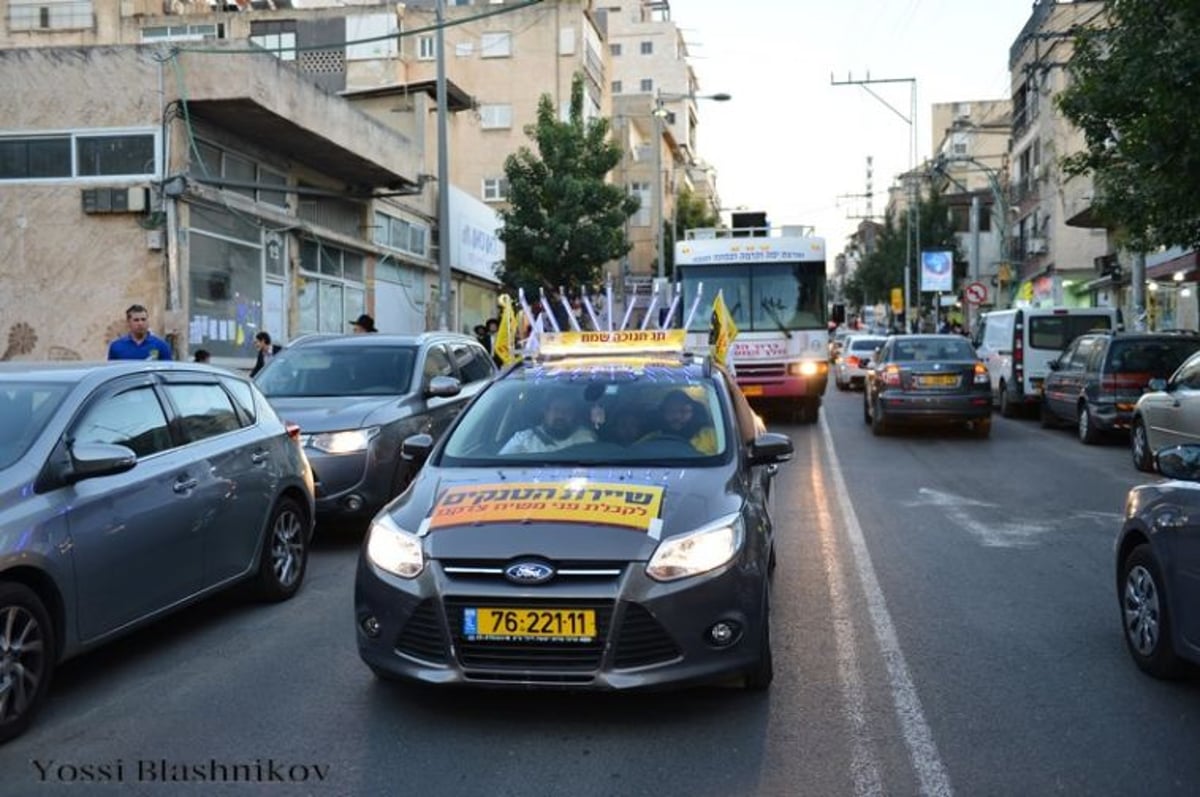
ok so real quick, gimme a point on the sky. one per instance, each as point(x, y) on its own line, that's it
point(792, 144)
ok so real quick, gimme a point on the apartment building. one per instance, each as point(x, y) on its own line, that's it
point(656, 99)
point(970, 165)
point(332, 239)
point(1055, 260)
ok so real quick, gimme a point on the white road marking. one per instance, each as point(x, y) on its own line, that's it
point(918, 737)
point(864, 764)
point(1007, 534)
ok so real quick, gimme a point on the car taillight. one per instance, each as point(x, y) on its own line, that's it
point(1115, 382)
point(891, 375)
point(1018, 358)
point(981, 374)
point(293, 430)
point(852, 361)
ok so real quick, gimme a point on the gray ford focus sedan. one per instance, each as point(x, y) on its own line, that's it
point(597, 518)
point(129, 490)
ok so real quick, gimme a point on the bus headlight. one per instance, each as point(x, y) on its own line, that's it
point(807, 368)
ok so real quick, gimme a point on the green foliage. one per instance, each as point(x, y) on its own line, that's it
point(691, 212)
point(1135, 94)
point(883, 269)
point(564, 221)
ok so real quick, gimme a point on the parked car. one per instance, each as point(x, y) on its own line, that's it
point(927, 379)
point(1167, 415)
point(128, 490)
point(850, 367)
point(1095, 384)
point(1158, 567)
point(1018, 345)
point(358, 396)
point(597, 521)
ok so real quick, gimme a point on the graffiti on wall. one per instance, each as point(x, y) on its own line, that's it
point(22, 340)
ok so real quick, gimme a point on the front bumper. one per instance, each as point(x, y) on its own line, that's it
point(352, 485)
point(648, 634)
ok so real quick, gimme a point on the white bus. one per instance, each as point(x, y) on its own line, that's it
point(774, 285)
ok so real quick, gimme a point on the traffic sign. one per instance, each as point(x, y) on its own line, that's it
point(976, 293)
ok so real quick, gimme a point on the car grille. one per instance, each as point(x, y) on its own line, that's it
point(642, 640)
point(575, 571)
point(559, 657)
point(759, 369)
point(422, 637)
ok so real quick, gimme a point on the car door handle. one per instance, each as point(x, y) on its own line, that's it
point(259, 457)
point(185, 485)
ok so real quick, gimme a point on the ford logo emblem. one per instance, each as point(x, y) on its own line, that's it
point(529, 573)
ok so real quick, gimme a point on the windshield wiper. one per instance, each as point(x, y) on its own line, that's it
point(774, 313)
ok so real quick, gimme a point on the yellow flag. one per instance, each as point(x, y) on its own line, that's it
point(504, 346)
point(723, 330)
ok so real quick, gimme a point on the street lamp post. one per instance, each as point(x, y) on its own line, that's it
point(659, 178)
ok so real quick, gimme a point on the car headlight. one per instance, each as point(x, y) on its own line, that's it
point(394, 549)
point(344, 442)
point(699, 552)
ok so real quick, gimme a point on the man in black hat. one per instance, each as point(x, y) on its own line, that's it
point(364, 323)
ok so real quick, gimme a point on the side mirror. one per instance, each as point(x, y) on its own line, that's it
point(417, 448)
point(769, 448)
point(443, 387)
point(89, 460)
point(1157, 384)
point(1179, 462)
point(1054, 365)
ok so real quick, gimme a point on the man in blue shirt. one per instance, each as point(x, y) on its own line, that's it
point(139, 344)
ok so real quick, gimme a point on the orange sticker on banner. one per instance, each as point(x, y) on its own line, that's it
point(633, 506)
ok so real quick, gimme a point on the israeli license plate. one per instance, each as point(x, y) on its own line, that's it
point(508, 624)
point(938, 380)
point(752, 390)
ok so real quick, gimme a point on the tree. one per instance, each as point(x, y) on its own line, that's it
point(564, 221)
point(1135, 95)
point(691, 212)
point(883, 269)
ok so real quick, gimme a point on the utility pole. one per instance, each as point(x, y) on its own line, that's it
point(443, 178)
point(914, 221)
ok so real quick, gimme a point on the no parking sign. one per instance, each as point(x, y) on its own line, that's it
point(976, 293)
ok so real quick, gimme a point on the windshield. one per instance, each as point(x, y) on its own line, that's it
point(315, 370)
point(1057, 331)
point(767, 297)
point(25, 408)
point(942, 348)
point(613, 416)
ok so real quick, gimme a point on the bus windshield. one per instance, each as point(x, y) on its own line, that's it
point(761, 297)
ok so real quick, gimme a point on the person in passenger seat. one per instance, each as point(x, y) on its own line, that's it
point(559, 428)
point(683, 418)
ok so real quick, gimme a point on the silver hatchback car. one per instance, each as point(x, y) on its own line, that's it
point(128, 490)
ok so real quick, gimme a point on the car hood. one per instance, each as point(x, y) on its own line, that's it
point(329, 413)
point(592, 514)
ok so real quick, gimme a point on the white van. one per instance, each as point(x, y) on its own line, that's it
point(1018, 345)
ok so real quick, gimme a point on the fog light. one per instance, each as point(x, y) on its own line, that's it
point(370, 626)
point(724, 633)
point(354, 503)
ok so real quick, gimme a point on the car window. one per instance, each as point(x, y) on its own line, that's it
point(132, 418)
point(1157, 357)
point(25, 408)
point(436, 364)
point(243, 396)
point(331, 370)
point(204, 410)
point(612, 416)
point(474, 364)
point(1188, 374)
point(1057, 331)
point(865, 344)
point(1076, 359)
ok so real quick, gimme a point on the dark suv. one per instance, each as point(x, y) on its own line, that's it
point(1097, 381)
point(356, 397)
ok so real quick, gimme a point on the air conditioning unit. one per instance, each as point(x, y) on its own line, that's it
point(1035, 246)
